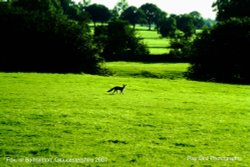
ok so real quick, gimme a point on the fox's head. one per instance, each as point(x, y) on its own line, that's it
point(124, 85)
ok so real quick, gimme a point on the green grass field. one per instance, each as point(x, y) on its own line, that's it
point(148, 70)
point(70, 120)
point(154, 41)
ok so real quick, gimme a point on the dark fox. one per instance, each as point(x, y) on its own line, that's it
point(117, 88)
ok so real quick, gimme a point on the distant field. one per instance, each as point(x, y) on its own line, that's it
point(154, 41)
point(70, 120)
point(148, 70)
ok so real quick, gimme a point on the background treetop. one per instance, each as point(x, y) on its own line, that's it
point(231, 8)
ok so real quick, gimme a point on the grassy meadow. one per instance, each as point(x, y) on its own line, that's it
point(71, 120)
point(153, 40)
point(148, 70)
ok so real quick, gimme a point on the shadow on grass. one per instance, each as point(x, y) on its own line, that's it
point(164, 75)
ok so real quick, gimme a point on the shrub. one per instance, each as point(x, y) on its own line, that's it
point(119, 42)
point(45, 42)
point(222, 54)
point(180, 49)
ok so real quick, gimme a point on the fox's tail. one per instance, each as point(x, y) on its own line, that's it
point(110, 90)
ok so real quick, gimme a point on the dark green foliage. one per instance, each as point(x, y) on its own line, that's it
point(74, 11)
point(44, 42)
point(168, 27)
point(208, 23)
point(153, 14)
point(38, 5)
point(180, 49)
point(222, 54)
point(119, 8)
point(119, 41)
point(232, 8)
point(185, 23)
point(198, 21)
point(160, 16)
point(133, 16)
point(98, 13)
point(101, 37)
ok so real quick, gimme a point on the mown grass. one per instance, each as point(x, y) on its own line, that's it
point(157, 122)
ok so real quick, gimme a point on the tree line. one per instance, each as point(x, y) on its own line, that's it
point(54, 36)
point(147, 14)
point(221, 53)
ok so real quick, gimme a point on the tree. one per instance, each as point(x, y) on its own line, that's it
point(83, 15)
point(71, 9)
point(119, 8)
point(209, 23)
point(37, 5)
point(98, 13)
point(231, 8)
point(67, 7)
point(180, 48)
point(160, 17)
point(221, 54)
point(86, 3)
point(152, 13)
point(186, 25)
point(197, 19)
point(120, 42)
point(167, 27)
point(38, 40)
point(133, 15)
point(4, 6)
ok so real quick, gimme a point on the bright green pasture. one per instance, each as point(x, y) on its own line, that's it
point(154, 41)
point(70, 120)
point(158, 51)
point(148, 70)
point(148, 34)
point(157, 43)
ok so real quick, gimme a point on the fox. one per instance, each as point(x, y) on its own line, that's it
point(117, 88)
